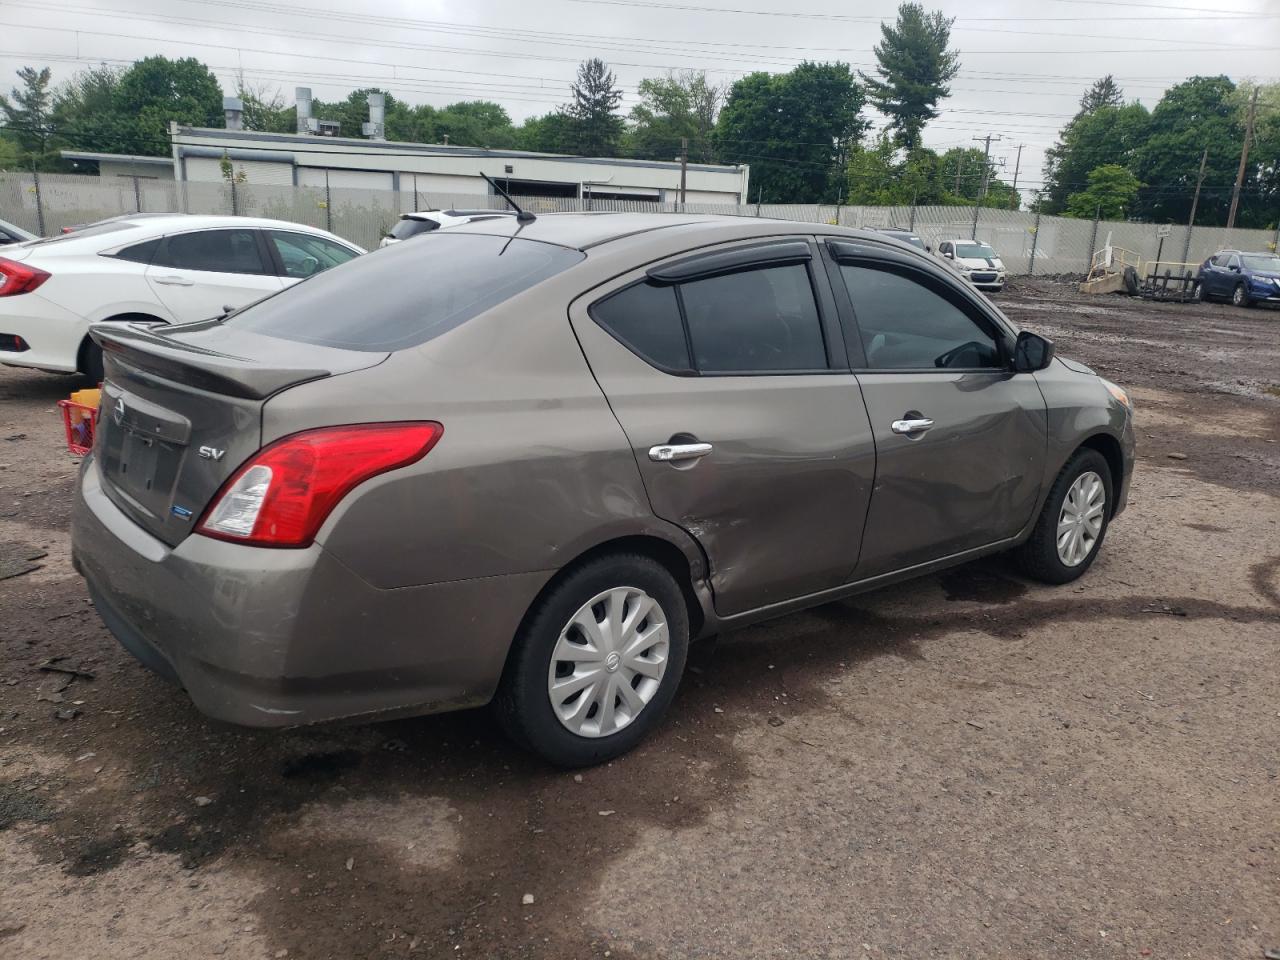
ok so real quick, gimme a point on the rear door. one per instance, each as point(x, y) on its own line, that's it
point(198, 274)
point(960, 439)
point(726, 371)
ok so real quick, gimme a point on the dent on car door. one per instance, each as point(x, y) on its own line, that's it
point(960, 438)
point(723, 372)
point(199, 273)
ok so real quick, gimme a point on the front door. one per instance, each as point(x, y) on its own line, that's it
point(198, 274)
point(724, 374)
point(960, 439)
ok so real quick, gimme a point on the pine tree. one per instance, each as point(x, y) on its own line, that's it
point(1104, 93)
point(914, 67)
point(26, 113)
point(595, 129)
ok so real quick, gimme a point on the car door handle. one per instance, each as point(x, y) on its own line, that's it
point(172, 281)
point(907, 427)
point(671, 452)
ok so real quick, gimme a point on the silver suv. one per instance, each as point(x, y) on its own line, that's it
point(529, 462)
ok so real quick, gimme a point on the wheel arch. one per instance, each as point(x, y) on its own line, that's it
point(1109, 447)
point(126, 317)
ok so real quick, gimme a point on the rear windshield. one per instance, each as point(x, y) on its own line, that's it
point(406, 294)
point(411, 227)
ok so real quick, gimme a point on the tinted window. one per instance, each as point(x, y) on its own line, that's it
point(140, 252)
point(304, 255)
point(1221, 259)
point(905, 325)
point(408, 293)
point(646, 318)
point(218, 251)
point(754, 321)
point(410, 227)
point(1268, 264)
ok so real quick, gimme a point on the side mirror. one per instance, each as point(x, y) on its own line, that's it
point(948, 254)
point(1233, 268)
point(1031, 352)
point(928, 249)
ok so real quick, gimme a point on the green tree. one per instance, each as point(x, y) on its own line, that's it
point(1192, 115)
point(914, 68)
point(1105, 135)
point(796, 130)
point(1104, 93)
point(475, 123)
point(401, 122)
point(10, 155)
point(549, 133)
point(679, 105)
point(594, 128)
point(27, 115)
point(86, 114)
point(264, 108)
point(1110, 194)
point(157, 90)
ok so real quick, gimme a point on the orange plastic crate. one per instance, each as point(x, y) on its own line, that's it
point(79, 419)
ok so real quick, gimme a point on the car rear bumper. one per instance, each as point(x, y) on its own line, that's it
point(276, 638)
point(52, 334)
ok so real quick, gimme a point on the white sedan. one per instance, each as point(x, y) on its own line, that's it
point(171, 269)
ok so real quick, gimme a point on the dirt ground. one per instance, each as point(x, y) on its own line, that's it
point(968, 765)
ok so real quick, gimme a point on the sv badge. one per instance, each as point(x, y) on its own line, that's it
point(212, 453)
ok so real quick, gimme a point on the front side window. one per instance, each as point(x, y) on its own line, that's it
point(304, 255)
point(905, 325)
point(1234, 262)
point(216, 251)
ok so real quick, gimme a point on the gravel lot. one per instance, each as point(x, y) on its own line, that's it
point(968, 765)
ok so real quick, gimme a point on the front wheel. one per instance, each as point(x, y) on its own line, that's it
point(1240, 296)
point(597, 662)
point(1073, 523)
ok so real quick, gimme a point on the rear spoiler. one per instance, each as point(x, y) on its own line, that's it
point(153, 349)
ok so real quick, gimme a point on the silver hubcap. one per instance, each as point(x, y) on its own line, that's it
point(1238, 296)
point(1080, 523)
point(608, 662)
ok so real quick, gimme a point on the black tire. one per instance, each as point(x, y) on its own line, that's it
point(1131, 281)
point(1200, 295)
point(523, 705)
point(91, 362)
point(1038, 557)
point(1240, 296)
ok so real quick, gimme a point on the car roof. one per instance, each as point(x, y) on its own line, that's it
point(583, 231)
point(129, 229)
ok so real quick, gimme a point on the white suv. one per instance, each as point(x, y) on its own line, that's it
point(976, 261)
point(424, 221)
point(170, 269)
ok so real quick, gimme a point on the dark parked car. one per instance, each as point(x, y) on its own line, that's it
point(1243, 278)
point(531, 461)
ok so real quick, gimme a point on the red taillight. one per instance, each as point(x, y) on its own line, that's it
point(282, 495)
point(16, 278)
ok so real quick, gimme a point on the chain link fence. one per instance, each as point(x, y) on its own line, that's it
point(1028, 243)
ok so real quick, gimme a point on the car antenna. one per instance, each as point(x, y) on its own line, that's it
point(522, 216)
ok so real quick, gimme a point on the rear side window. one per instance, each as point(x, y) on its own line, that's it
point(646, 317)
point(752, 321)
point(140, 252)
point(755, 321)
point(410, 227)
point(406, 294)
point(215, 251)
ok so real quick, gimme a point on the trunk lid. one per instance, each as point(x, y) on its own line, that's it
point(182, 409)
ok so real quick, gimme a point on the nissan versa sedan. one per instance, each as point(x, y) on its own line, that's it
point(528, 461)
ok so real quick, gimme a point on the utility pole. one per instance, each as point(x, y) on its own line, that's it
point(1017, 165)
point(986, 178)
point(959, 167)
point(684, 167)
point(1195, 201)
point(1244, 159)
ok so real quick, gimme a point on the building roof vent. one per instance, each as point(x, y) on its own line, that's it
point(376, 128)
point(233, 111)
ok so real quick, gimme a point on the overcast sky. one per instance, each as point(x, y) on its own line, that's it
point(1024, 64)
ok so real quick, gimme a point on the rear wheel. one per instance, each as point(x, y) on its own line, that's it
point(1240, 296)
point(90, 362)
point(1073, 522)
point(597, 663)
point(1200, 294)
